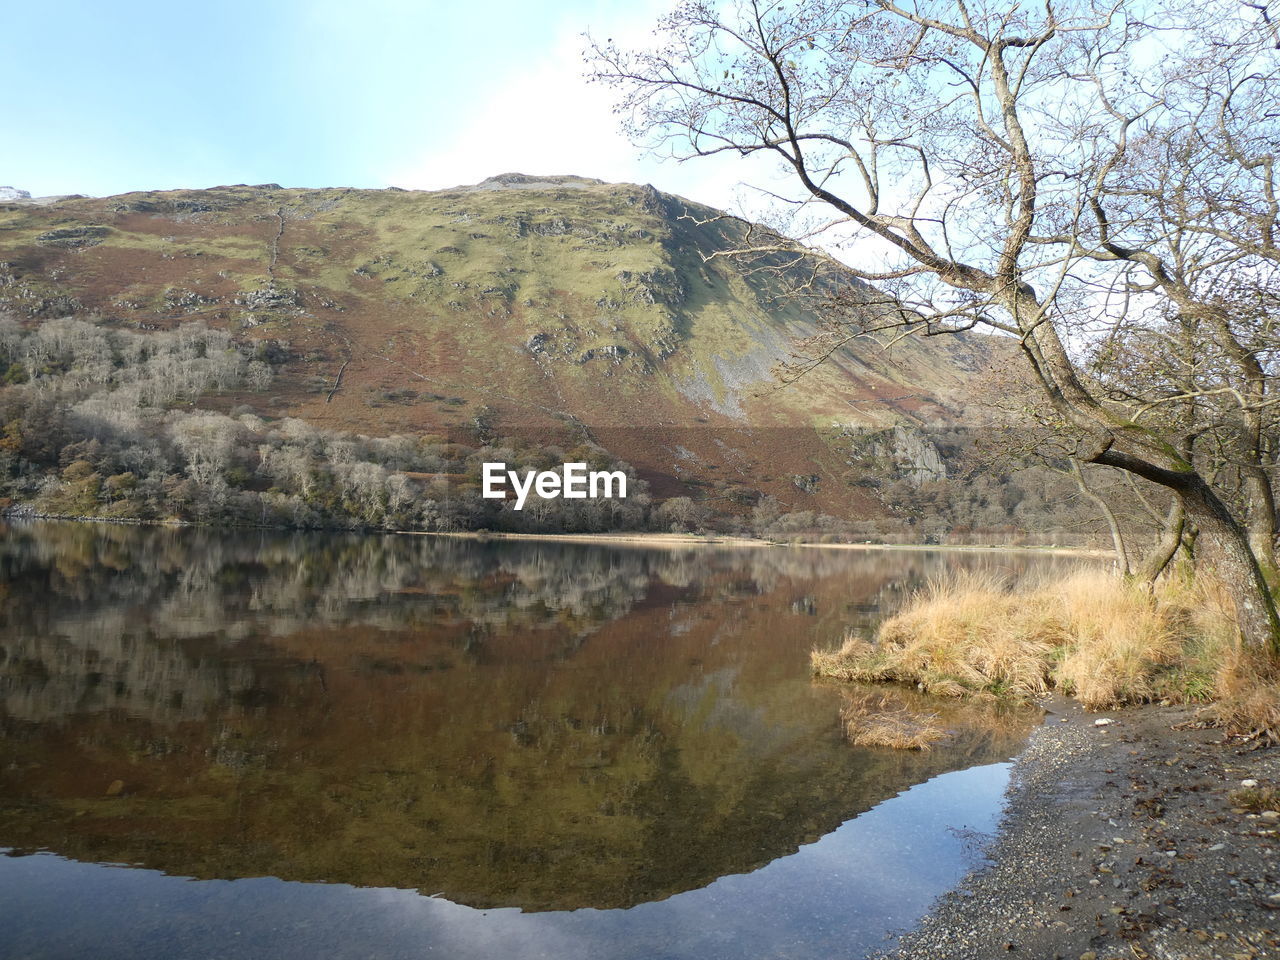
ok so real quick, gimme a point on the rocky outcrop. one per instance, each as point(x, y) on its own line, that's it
point(268, 302)
point(807, 482)
point(67, 237)
point(186, 300)
point(659, 286)
point(902, 452)
point(270, 297)
point(613, 351)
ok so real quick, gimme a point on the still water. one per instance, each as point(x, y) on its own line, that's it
point(275, 745)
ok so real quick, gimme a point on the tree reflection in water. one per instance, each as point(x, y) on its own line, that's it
point(537, 725)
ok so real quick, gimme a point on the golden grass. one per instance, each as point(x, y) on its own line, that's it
point(1090, 634)
point(1246, 696)
point(1116, 638)
point(883, 720)
point(903, 718)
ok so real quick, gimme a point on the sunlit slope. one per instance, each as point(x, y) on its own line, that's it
point(544, 301)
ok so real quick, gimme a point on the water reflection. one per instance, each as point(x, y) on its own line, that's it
point(516, 725)
point(837, 897)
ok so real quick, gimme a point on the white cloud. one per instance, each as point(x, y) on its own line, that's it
point(542, 117)
point(545, 120)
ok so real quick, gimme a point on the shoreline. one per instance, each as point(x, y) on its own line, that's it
point(646, 539)
point(1118, 841)
point(623, 538)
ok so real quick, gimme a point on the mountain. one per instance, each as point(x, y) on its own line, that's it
point(561, 309)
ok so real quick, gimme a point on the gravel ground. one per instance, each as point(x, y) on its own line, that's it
point(1120, 841)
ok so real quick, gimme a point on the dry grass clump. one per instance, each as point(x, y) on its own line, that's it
point(1116, 639)
point(1093, 635)
point(968, 635)
point(1256, 799)
point(898, 717)
point(883, 720)
point(1253, 712)
point(1246, 697)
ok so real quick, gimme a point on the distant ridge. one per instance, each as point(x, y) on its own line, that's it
point(555, 304)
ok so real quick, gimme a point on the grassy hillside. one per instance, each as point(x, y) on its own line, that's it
point(561, 311)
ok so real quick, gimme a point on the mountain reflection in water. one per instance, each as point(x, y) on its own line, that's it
point(503, 724)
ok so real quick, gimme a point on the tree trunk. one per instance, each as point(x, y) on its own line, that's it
point(1155, 562)
point(1188, 546)
point(1262, 522)
point(1223, 545)
point(1117, 537)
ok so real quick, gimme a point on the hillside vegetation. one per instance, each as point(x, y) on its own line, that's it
point(349, 357)
point(1104, 640)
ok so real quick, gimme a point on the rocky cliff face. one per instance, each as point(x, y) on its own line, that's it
point(902, 451)
point(557, 304)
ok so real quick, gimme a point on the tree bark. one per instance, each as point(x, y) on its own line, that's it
point(1155, 562)
point(1224, 546)
point(1117, 536)
point(1262, 522)
point(1222, 542)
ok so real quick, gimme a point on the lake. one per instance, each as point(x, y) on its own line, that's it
point(253, 744)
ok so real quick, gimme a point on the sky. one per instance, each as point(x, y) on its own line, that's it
point(104, 98)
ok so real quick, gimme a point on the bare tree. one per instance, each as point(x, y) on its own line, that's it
point(1061, 175)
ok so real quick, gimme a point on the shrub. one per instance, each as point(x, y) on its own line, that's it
point(1102, 639)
